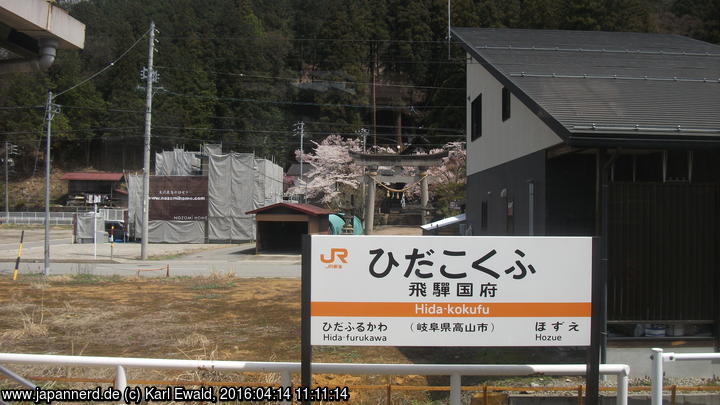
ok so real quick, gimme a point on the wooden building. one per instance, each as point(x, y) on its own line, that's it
point(280, 226)
point(103, 188)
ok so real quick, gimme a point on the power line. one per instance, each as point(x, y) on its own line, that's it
point(340, 124)
point(268, 131)
point(313, 80)
point(307, 103)
point(252, 144)
point(236, 130)
point(410, 41)
point(111, 64)
point(67, 131)
point(11, 108)
point(112, 109)
point(383, 126)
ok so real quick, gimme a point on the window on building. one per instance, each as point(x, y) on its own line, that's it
point(678, 165)
point(476, 118)
point(505, 104)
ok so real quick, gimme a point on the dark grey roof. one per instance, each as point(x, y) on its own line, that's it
point(592, 84)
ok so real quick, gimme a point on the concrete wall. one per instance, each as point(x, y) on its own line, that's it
point(513, 177)
point(501, 141)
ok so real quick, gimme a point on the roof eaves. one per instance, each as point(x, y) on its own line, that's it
point(546, 117)
point(625, 140)
point(303, 208)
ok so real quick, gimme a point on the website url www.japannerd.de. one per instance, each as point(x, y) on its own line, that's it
point(43, 396)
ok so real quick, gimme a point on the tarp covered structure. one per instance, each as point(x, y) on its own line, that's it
point(177, 162)
point(237, 183)
point(84, 224)
point(159, 231)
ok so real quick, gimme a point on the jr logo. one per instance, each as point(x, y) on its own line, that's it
point(335, 253)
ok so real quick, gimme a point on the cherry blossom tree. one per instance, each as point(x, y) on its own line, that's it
point(333, 174)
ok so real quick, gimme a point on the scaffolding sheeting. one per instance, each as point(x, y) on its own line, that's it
point(177, 162)
point(237, 183)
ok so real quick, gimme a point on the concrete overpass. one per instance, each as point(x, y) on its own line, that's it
point(31, 31)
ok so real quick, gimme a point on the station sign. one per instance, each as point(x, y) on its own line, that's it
point(450, 291)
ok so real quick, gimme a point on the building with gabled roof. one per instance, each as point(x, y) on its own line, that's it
point(280, 226)
point(603, 133)
point(105, 188)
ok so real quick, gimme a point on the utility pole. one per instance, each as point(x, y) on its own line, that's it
point(448, 34)
point(50, 111)
point(300, 130)
point(7, 205)
point(149, 74)
point(364, 133)
point(11, 149)
point(374, 106)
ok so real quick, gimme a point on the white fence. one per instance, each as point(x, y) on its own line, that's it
point(285, 370)
point(659, 358)
point(56, 218)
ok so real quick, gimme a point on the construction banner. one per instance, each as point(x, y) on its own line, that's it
point(178, 198)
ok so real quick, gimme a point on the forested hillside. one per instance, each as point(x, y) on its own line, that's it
point(241, 72)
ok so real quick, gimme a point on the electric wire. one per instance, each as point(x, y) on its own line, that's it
point(111, 64)
point(308, 103)
point(313, 80)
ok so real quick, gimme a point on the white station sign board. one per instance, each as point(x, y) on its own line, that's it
point(450, 291)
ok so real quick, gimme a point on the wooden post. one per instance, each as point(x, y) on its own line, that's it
point(580, 395)
point(17, 261)
point(167, 271)
point(424, 194)
point(673, 393)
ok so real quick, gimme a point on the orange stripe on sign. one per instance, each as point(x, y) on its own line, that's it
point(421, 309)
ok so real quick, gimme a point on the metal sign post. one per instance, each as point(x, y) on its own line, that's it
point(592, 376)
point(305, 346)
point(94, 229)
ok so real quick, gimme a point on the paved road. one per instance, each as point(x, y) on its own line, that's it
point(239, 260)
point(14, 246)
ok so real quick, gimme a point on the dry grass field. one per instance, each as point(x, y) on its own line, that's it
point(216, 317)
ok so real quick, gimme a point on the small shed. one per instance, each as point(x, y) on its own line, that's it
point(85, 188)
point(280, 226)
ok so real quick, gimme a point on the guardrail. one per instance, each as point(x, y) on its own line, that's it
point(285, 369)
point(659, 357)
point(56, 218)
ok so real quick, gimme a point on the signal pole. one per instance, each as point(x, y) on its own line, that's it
point(149, 74)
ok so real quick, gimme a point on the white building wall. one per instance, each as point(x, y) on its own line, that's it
point(524, 133)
